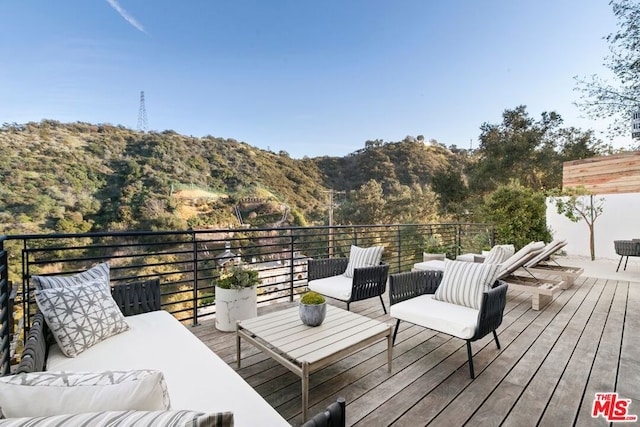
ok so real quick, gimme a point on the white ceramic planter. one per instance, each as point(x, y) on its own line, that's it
point(233, 305)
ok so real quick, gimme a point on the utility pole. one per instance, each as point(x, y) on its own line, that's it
point(331, 204)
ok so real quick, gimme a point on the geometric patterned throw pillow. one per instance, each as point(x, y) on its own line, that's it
point(100, 271)
point(39, 394)
point(80, 316)
point(363, 257)
point(463, 283)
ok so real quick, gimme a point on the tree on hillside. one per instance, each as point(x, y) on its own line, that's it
point(617, 100)
point(452, 189)
point(527, 150)
point(371, 204)
point(366, 205)
point(518, 213)
point(512, 149)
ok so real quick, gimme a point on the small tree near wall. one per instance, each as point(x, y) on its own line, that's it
point(577, 203)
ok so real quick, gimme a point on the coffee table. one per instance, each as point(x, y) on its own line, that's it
point(303, 349)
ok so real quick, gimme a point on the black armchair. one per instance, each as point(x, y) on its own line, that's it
point(333, 416)
point(325, 276)
point(405, 287)
point(626, 248)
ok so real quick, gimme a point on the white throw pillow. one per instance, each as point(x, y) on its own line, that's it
point(179, 418)
point(100, 271)
point(495, 256)
point(40, 394)
point(463, 283)
point(80, 316)
point(363, 257)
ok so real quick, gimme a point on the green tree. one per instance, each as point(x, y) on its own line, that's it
point(518, 214)
point(366, 205)
point(518, 148)
point(451, 189)
point(579, 204)
point(617, 100)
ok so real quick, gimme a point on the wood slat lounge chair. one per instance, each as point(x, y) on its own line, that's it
point(544, 265)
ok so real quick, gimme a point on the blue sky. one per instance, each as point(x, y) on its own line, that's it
point(308, 77)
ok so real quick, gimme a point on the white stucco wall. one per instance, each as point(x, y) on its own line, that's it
point(620, 220)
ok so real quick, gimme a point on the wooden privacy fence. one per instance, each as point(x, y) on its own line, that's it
point(604, 175)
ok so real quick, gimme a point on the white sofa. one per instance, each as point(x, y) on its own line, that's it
point(196, 378)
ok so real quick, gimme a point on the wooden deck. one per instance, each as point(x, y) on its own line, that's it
point(551, 365)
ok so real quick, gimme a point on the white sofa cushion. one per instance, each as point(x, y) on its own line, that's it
point(429, 265)
point(338, 287)
point(548, 250)
point(196, 377)
point(100, 271)
point(48, 393)
point(363, 257)
point(181, 418)
point(463, 283)
point(80, 316)
point(519, 258)
point(452, 319)
point(496, 255)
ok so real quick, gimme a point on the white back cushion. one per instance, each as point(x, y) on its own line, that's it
point(518, 259)
point(463, 283)
point(363, 257)
point(100, 271)
point(495, 255)
point(47, 393)
point(549, 250)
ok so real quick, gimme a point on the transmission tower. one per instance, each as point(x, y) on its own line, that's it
point(142, 115)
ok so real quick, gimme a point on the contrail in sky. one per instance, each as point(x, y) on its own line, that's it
point(130, 19)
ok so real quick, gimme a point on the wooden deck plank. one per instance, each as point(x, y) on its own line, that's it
point(628, 386)
point(551, 364)
point(564, 406)
point(563, 333)
point(604, 368)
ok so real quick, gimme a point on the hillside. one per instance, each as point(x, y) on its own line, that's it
point(82, 177)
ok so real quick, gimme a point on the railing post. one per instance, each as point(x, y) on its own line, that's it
point(26, 310)
point(399, 241)
point(5, 315)
point(291, 269)
point(194, 242)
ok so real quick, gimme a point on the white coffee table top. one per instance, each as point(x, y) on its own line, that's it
point(285, 332)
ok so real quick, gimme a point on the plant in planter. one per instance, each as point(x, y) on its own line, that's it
point(236, 297)
point(313, 309)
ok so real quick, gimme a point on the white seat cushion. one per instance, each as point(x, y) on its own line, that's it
point(452, 319)
point(429, 265)
point(338, 287)
point(196, 377)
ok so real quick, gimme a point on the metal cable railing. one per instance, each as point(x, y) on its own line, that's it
point(188, 262)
